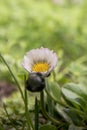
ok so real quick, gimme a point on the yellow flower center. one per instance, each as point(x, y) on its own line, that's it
point(40, 67)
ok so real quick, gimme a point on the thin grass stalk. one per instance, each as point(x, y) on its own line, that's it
point(36, 114)
point(24, 98)
point(29, 121)
point(9, 117)
point(17, 83)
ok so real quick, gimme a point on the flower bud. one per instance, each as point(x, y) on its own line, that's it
point(35, 82)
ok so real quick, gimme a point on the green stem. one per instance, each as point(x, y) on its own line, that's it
point(44, 111)
point(29, 121)
point(12, 76)
point(24, 98)
point(26, 111)
point(36, 114)
point(61, 103)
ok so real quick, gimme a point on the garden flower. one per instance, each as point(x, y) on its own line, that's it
point(39, 63)
point(41, 60)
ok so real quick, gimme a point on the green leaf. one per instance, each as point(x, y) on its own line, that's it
point(73, 91)
point(73, 127)
point(48, 127)
point(75, 115)
point(61, 111)
point(82, 103)
point(54, 91)
point(75, 95)
point(76, 98)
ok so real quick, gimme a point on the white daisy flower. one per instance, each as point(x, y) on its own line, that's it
point(41, 60)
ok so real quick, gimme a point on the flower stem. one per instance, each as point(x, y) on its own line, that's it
point(44, 111)
point(27, 113)
point(36, 114)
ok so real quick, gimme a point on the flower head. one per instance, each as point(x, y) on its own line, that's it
point(41, 60)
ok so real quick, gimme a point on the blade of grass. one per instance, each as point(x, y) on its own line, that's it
point(29, 122)
point(16, 81)
point(36, 114)
point(9, 117)
point(24, 98)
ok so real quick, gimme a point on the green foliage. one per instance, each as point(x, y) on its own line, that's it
point(54, 91)
point(48, 127)
point(71, 105)
point(28, 24)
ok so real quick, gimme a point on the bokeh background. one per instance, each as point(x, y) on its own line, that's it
point(60, 25)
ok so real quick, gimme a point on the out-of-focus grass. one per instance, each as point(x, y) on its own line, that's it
point(28, 24)
point(25, 25)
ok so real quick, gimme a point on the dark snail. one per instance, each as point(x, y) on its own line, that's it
point(35, 82)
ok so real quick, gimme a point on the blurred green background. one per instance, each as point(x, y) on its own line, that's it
point(60, 25)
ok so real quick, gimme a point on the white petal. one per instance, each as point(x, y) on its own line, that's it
point(40, 55)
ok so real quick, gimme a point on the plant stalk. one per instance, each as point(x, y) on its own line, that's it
point(36, 114)
point(44, 111)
